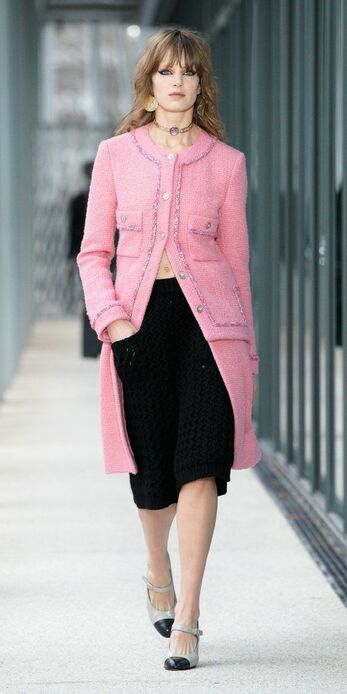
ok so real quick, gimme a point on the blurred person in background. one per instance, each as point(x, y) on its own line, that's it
point(77, 215)
point(91, 346)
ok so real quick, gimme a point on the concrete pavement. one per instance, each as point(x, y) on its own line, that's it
point(73, 613)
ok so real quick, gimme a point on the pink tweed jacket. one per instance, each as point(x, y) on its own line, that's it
point(193, 205)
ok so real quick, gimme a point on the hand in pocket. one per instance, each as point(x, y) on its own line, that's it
point(120, 329)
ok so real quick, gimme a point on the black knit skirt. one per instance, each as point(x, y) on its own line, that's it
point(179, 416)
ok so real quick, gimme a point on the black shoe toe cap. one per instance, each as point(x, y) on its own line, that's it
point(177, 663)
point(163, 626)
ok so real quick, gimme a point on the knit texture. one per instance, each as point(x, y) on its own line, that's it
point(178, 413)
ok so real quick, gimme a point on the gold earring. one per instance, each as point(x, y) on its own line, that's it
point(151, 103)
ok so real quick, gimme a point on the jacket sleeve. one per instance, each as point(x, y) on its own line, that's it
point(234, 243)
point(97, 248)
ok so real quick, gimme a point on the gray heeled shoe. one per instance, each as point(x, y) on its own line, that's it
point(178, 661)
point(162, 620)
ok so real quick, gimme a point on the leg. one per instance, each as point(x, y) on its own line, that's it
point(203, 458)
point(150, 402)
point(196, 517)
point(156, 527)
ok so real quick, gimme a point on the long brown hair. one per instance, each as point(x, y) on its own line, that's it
point(176, 41)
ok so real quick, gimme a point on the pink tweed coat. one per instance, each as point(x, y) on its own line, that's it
point(193, 205)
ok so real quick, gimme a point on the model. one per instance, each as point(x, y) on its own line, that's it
point(178, 362)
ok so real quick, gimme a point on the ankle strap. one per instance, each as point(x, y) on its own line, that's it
point(189, 630)
point(158, 589)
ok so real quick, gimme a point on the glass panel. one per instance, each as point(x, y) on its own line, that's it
point(308, 227)
point(338, 30)
point(322, 244)
point(283, 226)
point(295, 229)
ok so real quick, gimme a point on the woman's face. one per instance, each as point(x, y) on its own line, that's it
point(170, 79)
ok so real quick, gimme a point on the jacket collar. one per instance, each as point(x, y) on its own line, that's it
point(148, 148)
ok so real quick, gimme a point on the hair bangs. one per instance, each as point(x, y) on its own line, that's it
point(178, 49)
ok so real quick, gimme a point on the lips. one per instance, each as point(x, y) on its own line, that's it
point(176, 94)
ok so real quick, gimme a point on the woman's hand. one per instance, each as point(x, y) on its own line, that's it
point(119, 329)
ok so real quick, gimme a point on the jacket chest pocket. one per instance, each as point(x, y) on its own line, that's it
point(202, 234)
point(130, 225)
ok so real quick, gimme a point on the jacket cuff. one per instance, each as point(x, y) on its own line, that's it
point(114, 311)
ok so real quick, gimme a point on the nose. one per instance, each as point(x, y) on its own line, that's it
point(177, 81)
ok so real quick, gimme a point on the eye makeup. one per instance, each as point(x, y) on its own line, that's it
point(167, 67)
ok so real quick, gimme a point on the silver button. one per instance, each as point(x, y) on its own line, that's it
point(207, 226)
point(200, 308)
point(166, 195)
point(162, 235)
point(123, 218)
point(171, 155)
point(182, 274)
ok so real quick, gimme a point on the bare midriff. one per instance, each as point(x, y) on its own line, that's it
point(165, 270)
